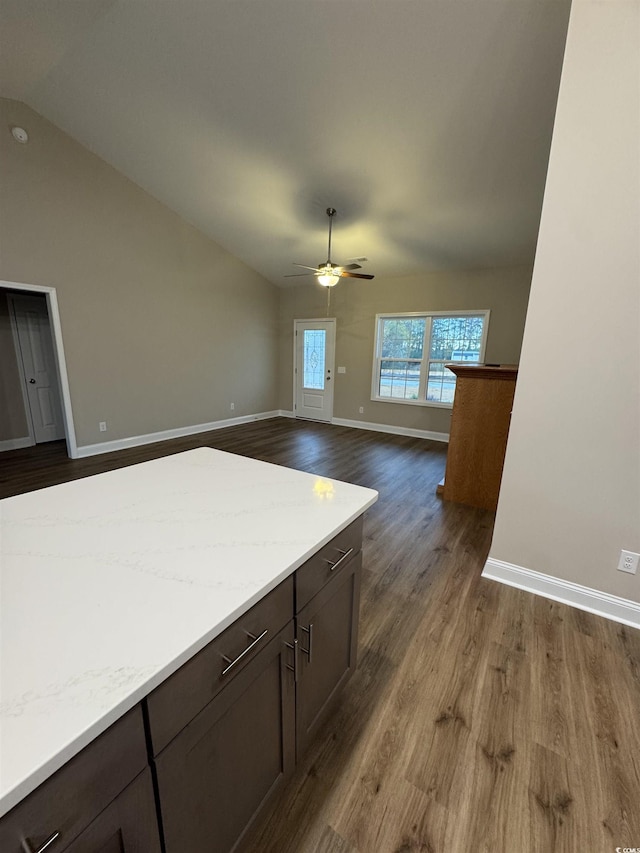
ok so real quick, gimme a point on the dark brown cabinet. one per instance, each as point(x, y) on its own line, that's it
point(328, 641)
point(176, 702)
point(100, 801)
point(219, 772)
point(128, 825)
point(223, 744)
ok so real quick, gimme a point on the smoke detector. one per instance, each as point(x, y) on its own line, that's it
point(20, 134)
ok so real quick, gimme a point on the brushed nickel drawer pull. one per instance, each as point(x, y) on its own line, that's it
point(294, 668)
point(333, 566)
point(232, 663)
point(27, 848)
point(308, 652)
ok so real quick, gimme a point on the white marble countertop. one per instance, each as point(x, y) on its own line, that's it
point(108, 584)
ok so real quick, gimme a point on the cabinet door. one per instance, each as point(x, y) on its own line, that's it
point(327, 632)
point(128, 825)
point(218, 773)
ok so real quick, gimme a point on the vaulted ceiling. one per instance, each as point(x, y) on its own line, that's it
point(425, 123)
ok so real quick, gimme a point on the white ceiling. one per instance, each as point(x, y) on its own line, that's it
point(426, 123)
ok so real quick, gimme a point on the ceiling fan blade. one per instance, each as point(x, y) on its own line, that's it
point(305, 267)
point(297, 274)
point(351, 266)
point(355, 275)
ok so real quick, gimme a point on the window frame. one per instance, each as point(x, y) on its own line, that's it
point(424, 362)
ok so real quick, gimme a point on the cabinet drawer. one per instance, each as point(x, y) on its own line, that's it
point(319, 569)
point(183, 695)
point(69, 800)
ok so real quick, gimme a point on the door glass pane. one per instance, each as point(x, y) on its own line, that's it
point(399, 379)
point(314, 349)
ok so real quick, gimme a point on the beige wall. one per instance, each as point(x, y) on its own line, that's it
point(570, 496)
point(13, 420)
point(355, 304)
point(161, 327)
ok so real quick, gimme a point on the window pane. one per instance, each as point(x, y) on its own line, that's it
point(456, 338)
point(314, 348)
point(441, 384)
point(399, 379)
point(402, 337)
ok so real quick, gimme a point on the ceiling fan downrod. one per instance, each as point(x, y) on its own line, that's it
point(331, 212)
point(328, 274)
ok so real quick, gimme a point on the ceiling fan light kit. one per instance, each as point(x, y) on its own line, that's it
point(329, 279)
point(329, 274)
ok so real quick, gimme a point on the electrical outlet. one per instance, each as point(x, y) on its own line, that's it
point(233, 407)
point(362, 410)
point(628, 562)
point(103, 426)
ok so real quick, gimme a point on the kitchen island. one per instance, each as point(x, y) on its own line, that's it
point(117, 592)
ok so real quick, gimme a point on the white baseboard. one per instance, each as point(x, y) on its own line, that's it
point(180, 432)
point(583, 597)
point(392, 430)
point(15, 443)
point(166, 435)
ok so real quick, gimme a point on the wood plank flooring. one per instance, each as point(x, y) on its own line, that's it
point(480, 717)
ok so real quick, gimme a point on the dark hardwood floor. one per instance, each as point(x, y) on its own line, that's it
point(480, 717)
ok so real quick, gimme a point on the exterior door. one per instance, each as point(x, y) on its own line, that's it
point(39, 367)
point(314, 368)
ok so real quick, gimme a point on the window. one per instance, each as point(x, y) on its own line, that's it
point(412, 350)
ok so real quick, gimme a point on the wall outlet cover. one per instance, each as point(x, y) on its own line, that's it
point(628, 562)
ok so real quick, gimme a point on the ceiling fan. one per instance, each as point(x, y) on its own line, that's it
point(328, 274)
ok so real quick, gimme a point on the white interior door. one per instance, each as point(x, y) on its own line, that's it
point(314, 368)
point(39, 366)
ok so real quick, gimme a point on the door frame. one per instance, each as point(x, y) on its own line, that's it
point(58, 352)
point(331, 320)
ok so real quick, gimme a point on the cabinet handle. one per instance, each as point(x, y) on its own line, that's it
point(232, 663)
point(294, 668)
point(308, 652)
point(333, 566)
point(27, 848)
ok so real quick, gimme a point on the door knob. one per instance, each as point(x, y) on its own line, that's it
point(32, 381)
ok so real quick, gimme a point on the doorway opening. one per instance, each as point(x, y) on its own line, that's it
point(40, 404)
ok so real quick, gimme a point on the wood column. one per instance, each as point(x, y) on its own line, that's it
point(479, 430)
